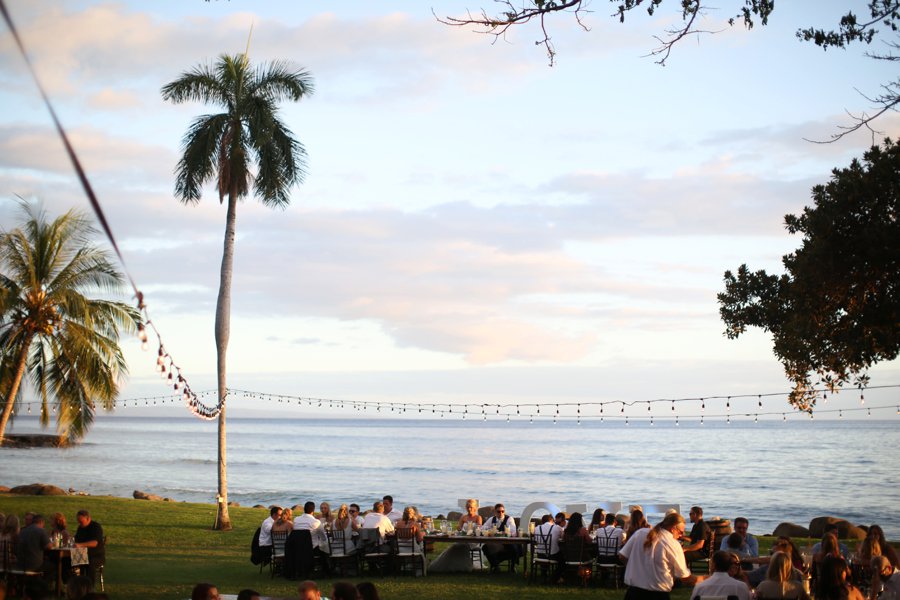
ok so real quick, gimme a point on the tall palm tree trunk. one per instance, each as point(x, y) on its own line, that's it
point(223, 329)
point(14, 389)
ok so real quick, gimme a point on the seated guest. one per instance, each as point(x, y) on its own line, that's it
point(698, 547)
point(722, 582)
point(501, 523)
point(560, 519)
point(309, 591)
point(576, 530)
point(10, 533)
point(832, 581)
point(285, 522)
point(829, 546)
point(874, 545)
point(265, 530)
point(309, 522)
point(598, 520)
point(375, 519)
point(782, 544)
point(248, 594)
point(610, 531)
point(356, 516)
point(342, 590)
point(636, 522)
point(344, 522)
point(546, 537)
point(408, 521)
point(471, 519)
point(734, 543)
point(325, 515)
point(58, 527)
point(205, 591)
point(389, 511)
point(779, 583)
point(749, 546)
point(32, 542)
point(885, 580)
point(832, 528)
point(90, 535)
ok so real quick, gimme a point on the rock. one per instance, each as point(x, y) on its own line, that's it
point(791, 530)
point(258, 506)
point(454, 516)
point(234, 504)
point(4, 489)
point(38, 489)
point(139, 495)
point(846, 530)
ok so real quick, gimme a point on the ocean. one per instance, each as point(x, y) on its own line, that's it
point(771, 471)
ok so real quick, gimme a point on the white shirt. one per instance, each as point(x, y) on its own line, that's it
point(265, 532)
point(510, 524)
point(555, 532)
point(309, 522)
point(654, 569)
point(376, 520)
point(359, 520)
point(721, 584)
point(609, 532)
point(394, 516)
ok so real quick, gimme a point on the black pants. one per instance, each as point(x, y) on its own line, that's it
point(497, 553)
point(636, 593)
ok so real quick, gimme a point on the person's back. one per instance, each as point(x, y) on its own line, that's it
point(342, 590)
point(722, 582)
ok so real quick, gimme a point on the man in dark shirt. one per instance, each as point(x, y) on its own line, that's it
point(700, 532)
point(90, 535)
point(33, 540)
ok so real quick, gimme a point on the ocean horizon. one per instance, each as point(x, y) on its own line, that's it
point(771, 472)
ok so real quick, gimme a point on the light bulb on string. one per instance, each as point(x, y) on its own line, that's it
point(702, 404)
point(783, 417)
point(840, 414)
point(862, 399)
point(626, 420)
point(673, 406)
point(701, 419)
point(676, 421)
point(869, 411)
point(759, 400)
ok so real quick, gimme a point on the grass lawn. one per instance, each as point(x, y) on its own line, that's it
point(159, 550)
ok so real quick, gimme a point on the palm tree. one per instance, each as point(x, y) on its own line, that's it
point(222, 147)
point(66, 341)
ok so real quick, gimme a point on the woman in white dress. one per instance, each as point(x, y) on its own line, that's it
point(458, 557)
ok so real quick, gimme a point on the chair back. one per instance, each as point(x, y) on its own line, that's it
point(575, 550)
point(542, 542)
point(6, 556)
point(607, 545)
point(405, 538)
point(369, 540)
point(279, 538)
point(299, 560)
point(338, 543)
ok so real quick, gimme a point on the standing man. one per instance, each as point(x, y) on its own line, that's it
point(698, 547)
point(497, 553)
point(750, 547)
point(722, 582)
point(389, 511)
point(90, 535)
point(654, 560)
point(33, 540)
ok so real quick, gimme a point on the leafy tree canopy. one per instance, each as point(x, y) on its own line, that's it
point(836, 310)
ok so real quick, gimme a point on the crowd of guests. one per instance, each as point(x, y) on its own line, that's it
point(308, 590)
point(26, 543)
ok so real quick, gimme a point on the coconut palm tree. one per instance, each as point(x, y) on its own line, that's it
point(66, 341)
point(223, 147)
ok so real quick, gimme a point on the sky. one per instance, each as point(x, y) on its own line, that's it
point(476, 225)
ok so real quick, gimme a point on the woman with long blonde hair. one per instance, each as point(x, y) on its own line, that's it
point(778, 583)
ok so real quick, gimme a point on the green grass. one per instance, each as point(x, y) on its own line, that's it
point(159, 550)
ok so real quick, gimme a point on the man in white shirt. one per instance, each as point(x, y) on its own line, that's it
point(610, 538)
point(506, 525)
point(375, 519)
point(265, 530)
point(309, 522)
point(546, 539)
point(651, 571)
point(389, 511)
point(722, 582)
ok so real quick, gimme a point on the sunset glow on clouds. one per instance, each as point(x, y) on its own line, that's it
point(471, 215)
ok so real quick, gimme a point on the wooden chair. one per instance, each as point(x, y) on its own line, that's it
point(579, 558)
point(343, 552)
point(540, 554)
point(608, 556)
point(408, 550)
point(373, 553)
point(704, 564)
point(276, 564)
